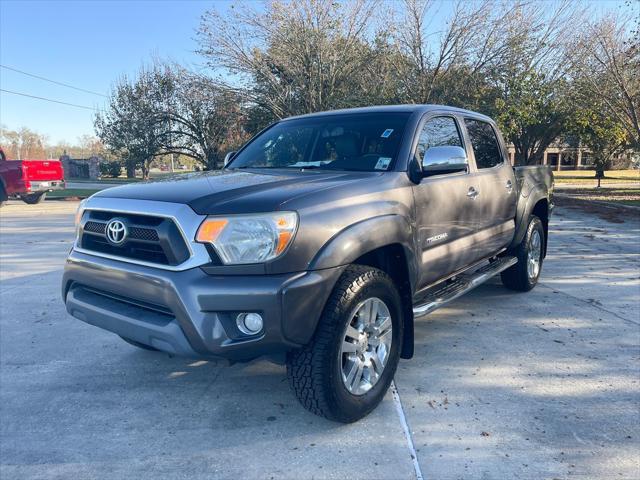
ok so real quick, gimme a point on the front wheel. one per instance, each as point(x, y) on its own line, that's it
point(346, 369)
point(524, 275)
point(34, 198)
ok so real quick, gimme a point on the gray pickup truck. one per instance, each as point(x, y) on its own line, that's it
point(318, 245)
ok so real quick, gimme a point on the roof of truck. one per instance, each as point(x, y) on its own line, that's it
point(409, 108)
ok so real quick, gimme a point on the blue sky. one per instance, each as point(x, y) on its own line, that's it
point(89, 44)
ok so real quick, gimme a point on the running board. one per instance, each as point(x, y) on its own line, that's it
point(461, 285)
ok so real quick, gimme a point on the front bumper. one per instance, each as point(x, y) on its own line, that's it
point(191, 313)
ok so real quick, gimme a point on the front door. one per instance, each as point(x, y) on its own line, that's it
point(446, 212)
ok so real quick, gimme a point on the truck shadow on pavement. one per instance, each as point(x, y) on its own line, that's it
point(502, 385)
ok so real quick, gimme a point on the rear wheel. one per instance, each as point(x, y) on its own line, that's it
point(138, 344)
point(34, 198)
point(524, 275)
point(3, 196)
point(346, 369)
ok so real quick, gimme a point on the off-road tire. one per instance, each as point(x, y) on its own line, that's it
point(34, 198)
point(138, 344)
point(314, 371)
point(517, 277)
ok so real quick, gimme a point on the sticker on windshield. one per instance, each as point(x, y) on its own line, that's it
point(383, 163)
point(387, 133)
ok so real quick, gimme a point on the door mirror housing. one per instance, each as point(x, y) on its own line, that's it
point(228, 157)
point(444, 159)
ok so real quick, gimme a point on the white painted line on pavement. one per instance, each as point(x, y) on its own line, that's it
point(407, 432)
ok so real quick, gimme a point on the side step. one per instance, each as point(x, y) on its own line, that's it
point(462, 284)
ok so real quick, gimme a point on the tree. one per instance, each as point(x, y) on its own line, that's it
point(529, 77)
point(532, 114)
point(446, 63)
point(295, 56)
point(505, 60)
point(23, 143)
point(606, 65)
point(129, 125)
point(201, 118)
point(604, 135)
point(170, 110)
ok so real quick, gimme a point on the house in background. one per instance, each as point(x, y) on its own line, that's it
point(570, 155)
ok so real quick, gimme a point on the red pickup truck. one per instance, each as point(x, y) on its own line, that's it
point(29, 180)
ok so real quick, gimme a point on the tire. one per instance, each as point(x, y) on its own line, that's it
point(317, 372)
point(523, 276)
point(34, 198)
point(3, 196)
point(138, 344)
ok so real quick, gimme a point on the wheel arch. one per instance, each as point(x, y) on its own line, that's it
point(534, 204)
point(384, 243)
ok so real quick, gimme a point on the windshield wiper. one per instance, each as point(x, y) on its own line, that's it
point(305, 167)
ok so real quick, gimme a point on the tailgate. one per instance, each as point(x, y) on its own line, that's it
point(42, 170)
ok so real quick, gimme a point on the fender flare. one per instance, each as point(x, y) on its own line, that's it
point(366, 236)
point(525, 208)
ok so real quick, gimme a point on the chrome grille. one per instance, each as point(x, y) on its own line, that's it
point(150, 239)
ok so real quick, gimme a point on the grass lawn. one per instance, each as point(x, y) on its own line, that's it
point(588, 177)
point(621, 195)
point(71, 192)
point(106, 180)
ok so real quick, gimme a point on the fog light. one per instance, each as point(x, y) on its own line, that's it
point(249, 323)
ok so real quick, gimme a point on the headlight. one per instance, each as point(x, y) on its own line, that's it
point(241, 239)
point(79, 213)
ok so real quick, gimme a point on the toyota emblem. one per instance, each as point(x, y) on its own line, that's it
point(116, 231)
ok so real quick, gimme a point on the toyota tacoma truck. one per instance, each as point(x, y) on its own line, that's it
point(29, 180)
point(317, 245)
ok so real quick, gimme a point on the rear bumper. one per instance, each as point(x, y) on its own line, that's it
point(46, 186)
point(191, 313)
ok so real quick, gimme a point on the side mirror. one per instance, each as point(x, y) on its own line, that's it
point(228, 157)
point(444, 159)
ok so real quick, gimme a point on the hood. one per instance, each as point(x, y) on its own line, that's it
point(233, 191)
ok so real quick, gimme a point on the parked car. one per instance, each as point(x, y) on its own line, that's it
point(29, 180)
point(318, 245)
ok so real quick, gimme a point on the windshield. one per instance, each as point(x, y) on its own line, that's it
point(364, 142)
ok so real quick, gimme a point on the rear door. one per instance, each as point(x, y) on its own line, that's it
point(445, 214)
point(495, 190)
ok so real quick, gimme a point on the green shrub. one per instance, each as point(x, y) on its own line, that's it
point(110, 169)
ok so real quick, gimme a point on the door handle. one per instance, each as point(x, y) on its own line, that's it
point(473, 193)
point(509, 186)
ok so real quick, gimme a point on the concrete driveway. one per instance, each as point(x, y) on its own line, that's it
point(503, 385)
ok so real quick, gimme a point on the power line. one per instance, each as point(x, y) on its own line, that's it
point(53, 81)
point(47, 99)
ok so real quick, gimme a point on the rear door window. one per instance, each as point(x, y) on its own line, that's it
point(484, 142)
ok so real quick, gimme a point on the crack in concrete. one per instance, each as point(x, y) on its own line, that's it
point(405, 428)
point(590, 303)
